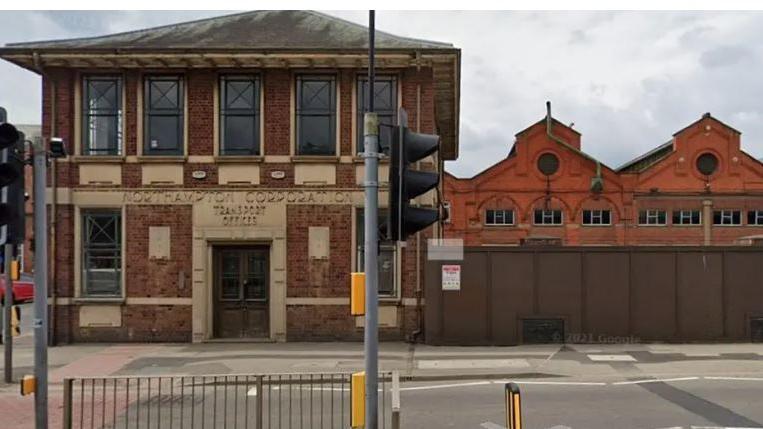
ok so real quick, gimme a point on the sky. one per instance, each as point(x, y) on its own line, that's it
point(627, 80)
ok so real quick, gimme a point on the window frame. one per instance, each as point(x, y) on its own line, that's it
point(87, 113)
point(178, 112)
point(360, 103)
point(599, 213)
point(331, 112)
point(727, 214)
point(545, 214)
point(87, 247)
point(757, 215)
point(255, 113)
point(388, 247)
point(682, 214)
point(503, 213)
point(653, 214)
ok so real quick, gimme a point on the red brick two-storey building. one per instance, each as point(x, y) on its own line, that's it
point(214, 184)
point(699, 188)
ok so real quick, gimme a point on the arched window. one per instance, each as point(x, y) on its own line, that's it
point(499, 212)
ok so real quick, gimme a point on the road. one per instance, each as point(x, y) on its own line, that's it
point(577, 386)
point(673, 404)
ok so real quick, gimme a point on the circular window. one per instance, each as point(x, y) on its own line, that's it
point(548, 164)
point(707, 163)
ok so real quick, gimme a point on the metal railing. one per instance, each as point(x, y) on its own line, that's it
point(257, 401)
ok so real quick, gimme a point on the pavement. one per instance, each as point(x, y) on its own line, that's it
point(574, 386)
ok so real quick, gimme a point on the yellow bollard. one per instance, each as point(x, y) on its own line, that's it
point(358, 294)
point(513, 407)
point(358, 400)
point(15, 321)
point(28, 385)
point(15, 270)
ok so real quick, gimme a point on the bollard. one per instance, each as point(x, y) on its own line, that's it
point(358, 294)
point(395, 400)
point(513, 407)
point(15, 321)
point(358, 400)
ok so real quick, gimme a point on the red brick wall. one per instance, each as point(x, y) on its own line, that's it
point(330, 278)
point(140, 323)
point(277, 92)
point(346, 82)
point(64, 251)
point(332, 323)
point(132, 83)
point(201, 86)
point(158, 277)
point(319, 278)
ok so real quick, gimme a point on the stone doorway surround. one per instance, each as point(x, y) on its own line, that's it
point(204, 238)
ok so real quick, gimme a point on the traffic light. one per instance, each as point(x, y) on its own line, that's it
point(406, 183)
point(12, 215)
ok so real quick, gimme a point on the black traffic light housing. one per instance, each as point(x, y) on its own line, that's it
point(12, 198)
point(407, 183)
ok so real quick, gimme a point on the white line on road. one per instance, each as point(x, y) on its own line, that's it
point(446, 386)
point(491, 425)
point(733, 378)
point(472, 363)
point(560, 383)
point(653, 380)
point(612, 358)
point(721, 427)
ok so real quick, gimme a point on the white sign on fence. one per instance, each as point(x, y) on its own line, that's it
point(451, 277)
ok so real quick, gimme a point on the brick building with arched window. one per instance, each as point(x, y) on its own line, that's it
point(699, 188)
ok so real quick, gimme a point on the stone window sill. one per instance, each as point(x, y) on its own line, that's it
point(163, 159)
point(238, 159)
point(99, 159)
point(384, 159)
point(99, 300)
point(315, 159)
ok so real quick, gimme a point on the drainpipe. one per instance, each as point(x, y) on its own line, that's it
point(52, 340)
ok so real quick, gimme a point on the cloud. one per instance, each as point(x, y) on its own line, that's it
point(725, 56)
point(628, 80)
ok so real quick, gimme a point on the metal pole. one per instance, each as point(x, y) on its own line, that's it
point(7, 304)
point(40, 322)
point(371, 211)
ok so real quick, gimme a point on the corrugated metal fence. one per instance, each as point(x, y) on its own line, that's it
point(256, 401)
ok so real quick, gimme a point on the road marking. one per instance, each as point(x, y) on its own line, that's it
point(446, 386)
point(611, 358)
point(491, 425)
point(473, 363)
point(722, 427)
point(557, 383)
point(734, 378)
point(654, 380)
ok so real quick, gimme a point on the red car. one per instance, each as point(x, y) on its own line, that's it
point(23, 291)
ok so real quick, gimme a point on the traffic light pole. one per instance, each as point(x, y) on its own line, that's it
point(40, 322)
point(371, 252)
point(7, 303)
